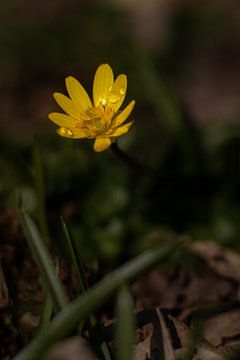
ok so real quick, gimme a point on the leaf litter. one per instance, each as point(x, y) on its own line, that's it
point(192, 312)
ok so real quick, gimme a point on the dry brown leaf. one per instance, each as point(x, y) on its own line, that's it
point(168, 349)
point(71, 349)
point(223, 326)
point(203, 349)
point(142, 348)
point(182, 289)
point(223, 261)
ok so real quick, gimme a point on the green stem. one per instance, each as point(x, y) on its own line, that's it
point(130, 161)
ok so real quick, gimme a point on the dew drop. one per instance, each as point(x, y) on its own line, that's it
point(65, 132)
point(113, 98)
point(110, 88)
point(103, 101)
point(122, 91)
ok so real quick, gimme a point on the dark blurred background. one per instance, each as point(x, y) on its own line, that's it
point(182, 60)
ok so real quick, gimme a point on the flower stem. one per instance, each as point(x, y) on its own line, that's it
point(130, 161)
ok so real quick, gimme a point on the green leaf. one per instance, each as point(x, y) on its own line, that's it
point(47, 310)
point(77, 263)
point(43, 261)
point(82, 284)
point(68, 319)
point(105, 351)
point(125, 325)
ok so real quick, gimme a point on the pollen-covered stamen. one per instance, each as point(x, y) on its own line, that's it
point(95, 121)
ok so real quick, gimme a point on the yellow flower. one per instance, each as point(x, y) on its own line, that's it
point(99, 119)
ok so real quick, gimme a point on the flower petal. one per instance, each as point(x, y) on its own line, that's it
point(67, 105)
point(78, 94)
point(62, 120)
point(123, 115)
point(121, 130)
point(101, 143)
point(71, 133)
point(103, 81)
point(118, 93)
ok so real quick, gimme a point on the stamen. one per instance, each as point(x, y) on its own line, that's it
point(96, 120)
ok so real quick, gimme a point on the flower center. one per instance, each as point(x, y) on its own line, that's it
point(96, 120)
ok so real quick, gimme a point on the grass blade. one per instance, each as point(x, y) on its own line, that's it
point(47, 310)
point(82, 284)
point(125, 325)
point(43, 261)
point(68, 319)
point(72, 252)
point(105, 351)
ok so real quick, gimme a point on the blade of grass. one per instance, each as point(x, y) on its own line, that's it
point(125, 325)
point(72, 252)
point(68, 319)
point(105, 351)
point(47, 310)
point(40, 191)
point(97, 341)
point(78, 252)
point(43, 261)
point(93, 322)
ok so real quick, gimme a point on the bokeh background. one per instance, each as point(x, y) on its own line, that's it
point(182, 59)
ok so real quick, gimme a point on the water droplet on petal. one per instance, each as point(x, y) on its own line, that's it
point(103, 101)
point(113, 98)
point(122, 91)
point(65, 132)
point(110, 88)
